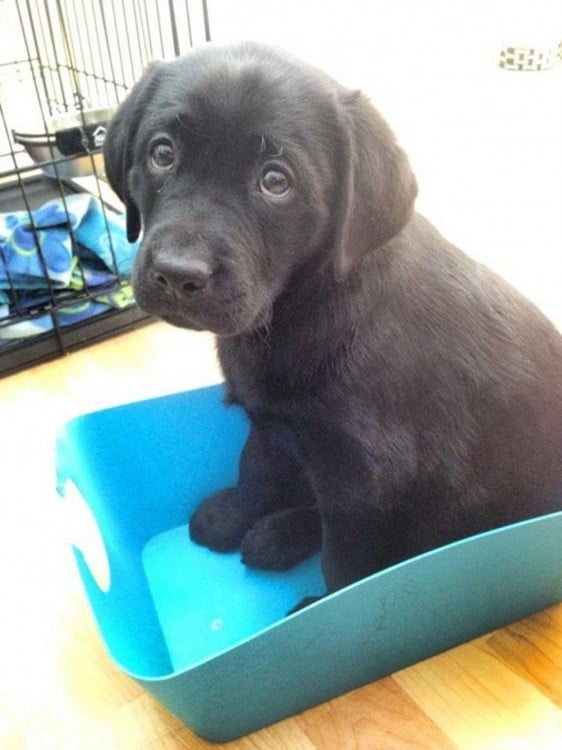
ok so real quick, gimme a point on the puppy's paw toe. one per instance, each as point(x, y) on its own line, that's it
point(281, 540)
point(217, 523)
point(260, 549)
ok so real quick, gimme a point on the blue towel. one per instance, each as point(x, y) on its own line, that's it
point(82, 247)
point(75, 312)
point(52, 227)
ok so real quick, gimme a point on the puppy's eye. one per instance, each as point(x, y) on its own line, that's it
point(162, 154)
point(275, 182)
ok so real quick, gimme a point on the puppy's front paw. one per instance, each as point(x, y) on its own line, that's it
point(218, 522)
point(282, 539)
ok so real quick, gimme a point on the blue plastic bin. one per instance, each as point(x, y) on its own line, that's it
point(208, 637)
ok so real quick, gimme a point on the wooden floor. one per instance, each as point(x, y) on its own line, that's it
point(60, 691)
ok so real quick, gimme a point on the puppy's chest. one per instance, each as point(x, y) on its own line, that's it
point(262, 375)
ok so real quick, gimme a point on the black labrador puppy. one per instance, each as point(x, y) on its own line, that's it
point(401, 395)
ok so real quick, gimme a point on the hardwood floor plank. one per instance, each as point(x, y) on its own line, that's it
point(380, 715)
point(479, 701)
point(532, 648)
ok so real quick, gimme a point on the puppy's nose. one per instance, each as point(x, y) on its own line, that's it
point(181, 274)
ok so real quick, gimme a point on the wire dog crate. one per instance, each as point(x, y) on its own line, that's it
point(65, 262)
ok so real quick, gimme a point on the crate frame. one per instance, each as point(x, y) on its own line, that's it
point(74, 56)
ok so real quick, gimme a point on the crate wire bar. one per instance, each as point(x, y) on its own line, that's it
point(72, 62)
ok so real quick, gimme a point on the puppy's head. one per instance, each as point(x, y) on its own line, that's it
point(239, 164)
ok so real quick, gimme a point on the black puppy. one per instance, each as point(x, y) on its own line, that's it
point(401, 395)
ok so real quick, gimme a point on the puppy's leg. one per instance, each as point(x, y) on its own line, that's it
point(353, 547)
point(270, 480)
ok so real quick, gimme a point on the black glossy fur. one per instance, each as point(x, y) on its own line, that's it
point(401, 395)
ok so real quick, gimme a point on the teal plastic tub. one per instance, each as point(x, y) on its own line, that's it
point(208, 637)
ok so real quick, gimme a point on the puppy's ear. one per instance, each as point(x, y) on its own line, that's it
point(119, 145)
point(377, 186)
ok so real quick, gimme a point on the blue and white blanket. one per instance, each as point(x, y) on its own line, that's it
point(82, 247)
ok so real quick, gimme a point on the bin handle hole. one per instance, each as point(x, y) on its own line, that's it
point(84, 534)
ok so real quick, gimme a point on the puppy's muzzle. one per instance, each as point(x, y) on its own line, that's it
point(179, 276)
